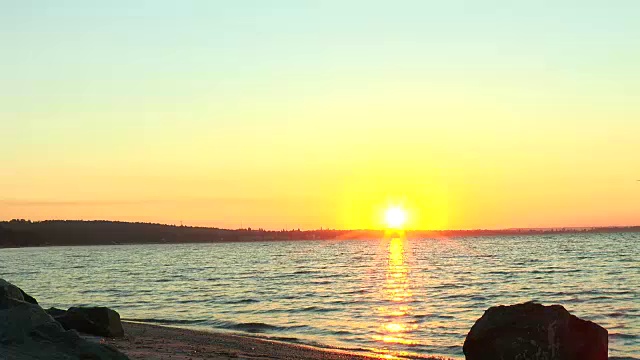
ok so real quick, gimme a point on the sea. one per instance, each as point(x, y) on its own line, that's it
point(394, 297)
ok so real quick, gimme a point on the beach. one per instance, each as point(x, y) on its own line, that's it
point(153, 342)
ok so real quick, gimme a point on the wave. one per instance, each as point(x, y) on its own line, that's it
point(287, 339)
point(555, 271)
point(256, 327)
point(617, 314)
point(303, 272)
point(242, 301)
point(321, 282)
point(311, 309)
point(433, 316)
point(166, 321)
point(320, 309)
point(250, 327)
point(253, 327)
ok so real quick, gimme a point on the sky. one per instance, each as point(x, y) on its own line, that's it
point(309, 114)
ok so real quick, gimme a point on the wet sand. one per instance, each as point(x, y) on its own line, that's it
point(144, 341)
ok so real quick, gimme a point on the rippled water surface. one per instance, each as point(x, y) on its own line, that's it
point(389, 296)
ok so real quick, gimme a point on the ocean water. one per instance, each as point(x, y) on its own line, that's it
point(399, 297)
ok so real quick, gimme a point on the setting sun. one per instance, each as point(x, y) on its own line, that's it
point(395, 217)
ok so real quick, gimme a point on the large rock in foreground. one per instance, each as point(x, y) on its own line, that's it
point(532, 331)
point(100, 321)
point(10, 293)
point(28, 332)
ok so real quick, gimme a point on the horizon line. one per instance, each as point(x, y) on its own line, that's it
point(333, 229)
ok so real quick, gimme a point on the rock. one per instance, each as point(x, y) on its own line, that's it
point(27, 332)
point(55, 312)
point(28, 298)
point(532, 331)
point(99, 321)
point(8, 291)
point(20, 318)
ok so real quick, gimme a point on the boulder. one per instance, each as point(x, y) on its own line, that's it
point(100, 321)
point(28, 298)
point(20, 318)
point(55, 312)
point(27, 332)
point(533, 331)
point(10, 291)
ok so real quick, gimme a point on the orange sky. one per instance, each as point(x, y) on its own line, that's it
point(312, 117)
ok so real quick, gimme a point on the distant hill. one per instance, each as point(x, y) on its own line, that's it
point(21, 233)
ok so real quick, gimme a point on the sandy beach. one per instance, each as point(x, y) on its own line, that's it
point(153, 342)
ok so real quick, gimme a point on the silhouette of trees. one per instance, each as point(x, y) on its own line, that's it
point(21, 232)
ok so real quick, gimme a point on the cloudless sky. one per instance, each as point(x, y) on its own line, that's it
point(470, 114)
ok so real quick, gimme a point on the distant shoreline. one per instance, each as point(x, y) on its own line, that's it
point(24, 233)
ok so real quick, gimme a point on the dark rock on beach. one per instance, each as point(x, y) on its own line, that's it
point(28, 298)
point(55, 312)
point(532, 331)
point(28, 332)
point(100, 321)
point(9, 293)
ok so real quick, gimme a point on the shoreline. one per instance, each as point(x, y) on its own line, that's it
point(496, 235)
point(151, 341)
point(25, 233)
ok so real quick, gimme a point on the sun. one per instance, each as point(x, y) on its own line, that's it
point(395, 217)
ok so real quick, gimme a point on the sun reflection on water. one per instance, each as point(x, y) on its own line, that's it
point(396, 325)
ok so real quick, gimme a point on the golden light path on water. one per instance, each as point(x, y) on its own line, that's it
point(413, 298)
point(397, 295)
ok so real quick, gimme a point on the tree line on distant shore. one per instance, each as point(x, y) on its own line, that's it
point(22, 233)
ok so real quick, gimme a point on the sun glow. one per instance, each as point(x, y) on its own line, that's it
point(395, 217)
